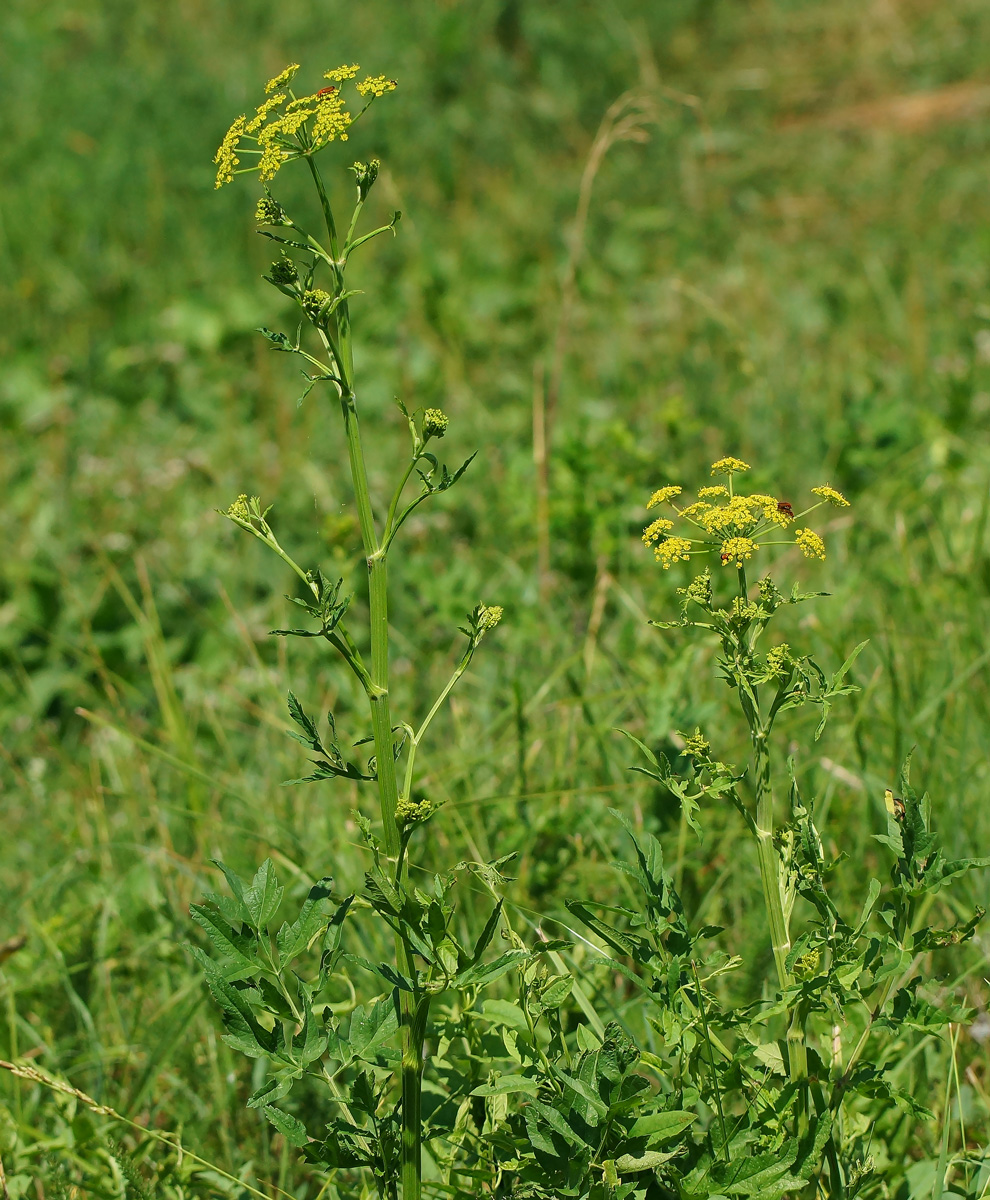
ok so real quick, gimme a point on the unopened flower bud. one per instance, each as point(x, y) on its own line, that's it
point(283, 271)
point(314, 300)
point(270, 212)
point(697, 745)
point(366, 174)
point(489, 617)
point(435, 422)
point(239, 510)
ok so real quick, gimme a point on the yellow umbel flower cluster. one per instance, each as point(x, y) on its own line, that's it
point(375, 85)
point(670, 550)
point(286, 126)
point(811, 544)
point(728, 466)
point(731, 524)
point(830, 495)
point(737, 550)
point(663, 494)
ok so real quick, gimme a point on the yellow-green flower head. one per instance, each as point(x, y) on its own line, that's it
point(728, 466)
point(314, 300)
point(375, 85)
point(270, 212)
point(700, 589)
point(831, 495)
point(711, 493)
point(239, 510)
point(489, 616)
point(779, 659)
point(697, 745)
point(662, 495)
point(365, 175)
point(737, 550)
point(412, 812)
point(694, 511)
point(807, 964)
point(283, 270)
point(281, 79)
point(744, 610)
point(656, 531)
point(811, 544)
point(435, 422)
point(671, 550)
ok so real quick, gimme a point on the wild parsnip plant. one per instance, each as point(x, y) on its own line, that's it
point(800, 1084)
point(273, 1008)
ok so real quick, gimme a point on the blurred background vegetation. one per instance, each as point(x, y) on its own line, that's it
point(788, 260)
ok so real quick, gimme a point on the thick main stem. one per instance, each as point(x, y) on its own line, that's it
point(413, 1010)
point(770, 868)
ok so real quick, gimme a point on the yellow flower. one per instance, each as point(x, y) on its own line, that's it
point(339, 74)
point(670, 550)
point(736, 516)
point(264, 109)
point(281, 79)
point(654, 532)
point(332, 119)
point(375, 85)
point(709, 493)
point(736, 549)
point(694, 511)
point(779, 659)
point(726, 466)
point(811, 544)
point(831, 495)
point(226, 157)
point(663, 494)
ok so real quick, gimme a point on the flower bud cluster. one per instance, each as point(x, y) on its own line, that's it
point(435, 422)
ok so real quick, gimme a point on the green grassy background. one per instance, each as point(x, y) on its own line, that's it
point(788, 269)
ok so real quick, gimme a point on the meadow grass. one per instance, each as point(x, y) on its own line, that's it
point(785, 270)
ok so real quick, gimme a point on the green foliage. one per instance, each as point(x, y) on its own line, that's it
point(783, 269)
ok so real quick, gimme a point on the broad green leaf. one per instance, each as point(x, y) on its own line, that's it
point(480, 976)
point(236, 885)
point(552, 1118)
point(290, 1127)
point(658, 1127)
point(628, 1164)
point(264, 895)
point(242, 1029)
point(233, 946)
point(372, 1026)
point(504, 1012)
point(293, 939)
point(503, 1084)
